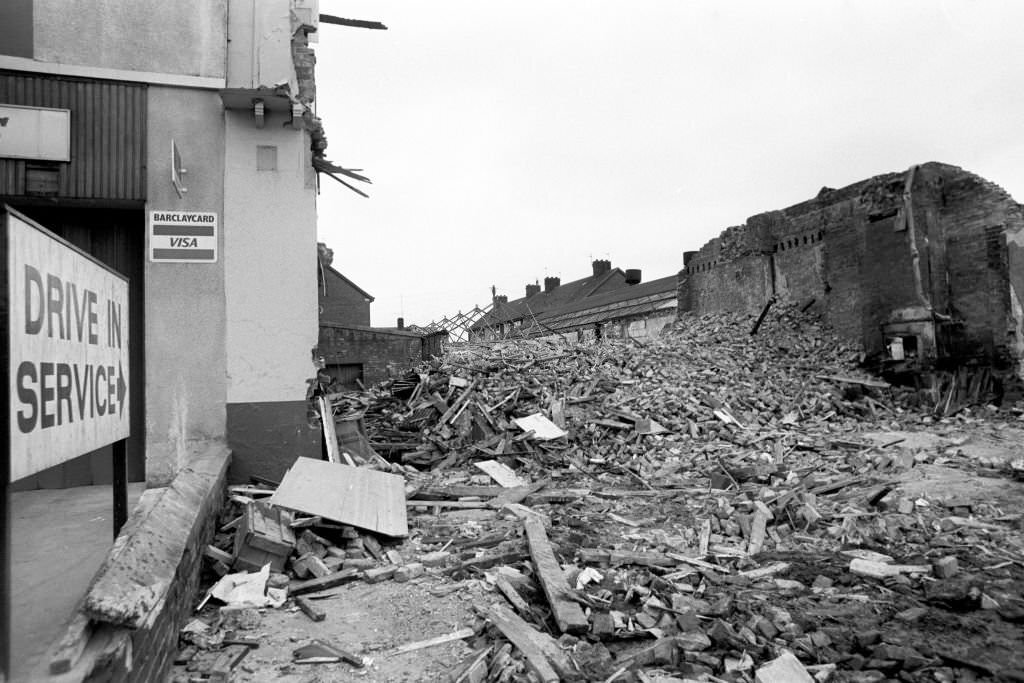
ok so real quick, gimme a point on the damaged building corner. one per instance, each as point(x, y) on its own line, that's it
point(924, 268)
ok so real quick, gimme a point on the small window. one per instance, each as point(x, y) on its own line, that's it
point(266, 158)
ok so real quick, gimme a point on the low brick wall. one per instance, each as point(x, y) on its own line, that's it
point(127, 626)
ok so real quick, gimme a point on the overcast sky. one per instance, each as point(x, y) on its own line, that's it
point(507, 141)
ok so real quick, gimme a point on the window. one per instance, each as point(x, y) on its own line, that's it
point(266, 158)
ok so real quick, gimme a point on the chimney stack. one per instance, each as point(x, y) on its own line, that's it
point(401, 323)
point(499, 299)
point(601, 266)
point(550, 283)
point(633, 276)
point(532, 289)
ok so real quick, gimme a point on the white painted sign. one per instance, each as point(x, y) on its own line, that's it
point(183, 236)
point(35, 133)
point(68, 328)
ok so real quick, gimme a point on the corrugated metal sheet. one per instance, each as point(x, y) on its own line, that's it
point(108, 135)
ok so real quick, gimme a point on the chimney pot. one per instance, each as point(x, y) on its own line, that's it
point(601, 266)
point(551, 282)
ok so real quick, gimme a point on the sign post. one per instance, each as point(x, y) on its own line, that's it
point(64, 329)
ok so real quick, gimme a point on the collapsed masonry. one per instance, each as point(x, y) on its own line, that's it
point(925, 268)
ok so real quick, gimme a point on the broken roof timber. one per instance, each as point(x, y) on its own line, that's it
point(353, 23)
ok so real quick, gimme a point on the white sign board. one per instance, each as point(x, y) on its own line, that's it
point(68, 372)
point(35, 133)
point(183, 236)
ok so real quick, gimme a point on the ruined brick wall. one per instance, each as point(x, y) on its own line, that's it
point(985, 232)
point(851, 250)
point(729, 273)
point(383, 354)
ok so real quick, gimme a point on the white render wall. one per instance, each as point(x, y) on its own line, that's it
point(269, 262)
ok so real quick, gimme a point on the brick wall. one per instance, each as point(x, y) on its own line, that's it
point(851, 249)
point(742, 284)
point(155, 644)
point(382, 353)
point(147, 589)
point(342, 303)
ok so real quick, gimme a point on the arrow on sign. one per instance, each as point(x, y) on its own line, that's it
point(122, 386)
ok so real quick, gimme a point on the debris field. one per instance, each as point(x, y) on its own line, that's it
point(710, 505)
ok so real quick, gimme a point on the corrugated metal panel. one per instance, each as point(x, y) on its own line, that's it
point(108, 135)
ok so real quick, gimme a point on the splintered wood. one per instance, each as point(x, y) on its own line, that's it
point(361, 497)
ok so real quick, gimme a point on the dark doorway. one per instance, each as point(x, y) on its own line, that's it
point(345, 375)
point(117, 238)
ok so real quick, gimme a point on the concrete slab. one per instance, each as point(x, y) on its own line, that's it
point(59, 539)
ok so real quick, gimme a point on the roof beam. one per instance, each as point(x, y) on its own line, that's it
point(354, 23)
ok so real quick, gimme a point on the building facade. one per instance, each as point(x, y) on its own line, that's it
point(521, 316)
point(175, 111)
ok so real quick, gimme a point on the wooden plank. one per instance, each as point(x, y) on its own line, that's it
point(461, 634)
point(465, 504)
point(500, 473)
point(330, 433)
point(568, 614)
point(457, 491)
point(542, 653)
point(877, 384)
point(357, 496)
point(309, 609)
point(512, 595)
point(329, 581)
point(647, 558)
point(517, 494)
point(487, 561)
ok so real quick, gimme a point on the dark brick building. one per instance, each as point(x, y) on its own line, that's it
point(341, 300)
point(370, 354)
point(921, 264)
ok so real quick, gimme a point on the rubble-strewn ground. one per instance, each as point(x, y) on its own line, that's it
point(719, 499)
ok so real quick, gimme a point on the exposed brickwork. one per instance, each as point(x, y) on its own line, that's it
point(341, 301)
point(382, 353)
point(851, 250)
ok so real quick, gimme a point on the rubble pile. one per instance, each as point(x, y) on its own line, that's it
point(710, 505)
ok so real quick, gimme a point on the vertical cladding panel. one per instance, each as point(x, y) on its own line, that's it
point(107, 135)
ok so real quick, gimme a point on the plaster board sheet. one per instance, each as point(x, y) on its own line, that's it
point(358, 496)
point(500, 473)
point(543, 428)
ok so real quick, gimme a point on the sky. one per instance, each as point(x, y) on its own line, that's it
point(509, 141)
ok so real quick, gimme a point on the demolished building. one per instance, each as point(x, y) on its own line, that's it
point(923, 267)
